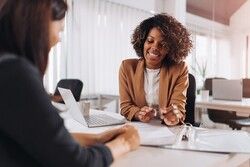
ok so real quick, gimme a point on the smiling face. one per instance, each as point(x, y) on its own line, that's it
point(155, 49)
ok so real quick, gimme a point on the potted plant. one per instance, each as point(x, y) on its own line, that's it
point(200, 68)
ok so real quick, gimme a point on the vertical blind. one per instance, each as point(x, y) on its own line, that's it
point(95, 40)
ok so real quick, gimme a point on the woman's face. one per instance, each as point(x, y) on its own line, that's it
point(154, 49)
point(56, 27)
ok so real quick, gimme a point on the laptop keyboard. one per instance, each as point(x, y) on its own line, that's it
point(101, 120)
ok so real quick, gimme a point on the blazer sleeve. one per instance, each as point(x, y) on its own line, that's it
point(29, 119)
point(180, 88)
point(128, 108)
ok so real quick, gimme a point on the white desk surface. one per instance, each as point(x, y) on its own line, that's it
point(238, 106)
point(162, 157)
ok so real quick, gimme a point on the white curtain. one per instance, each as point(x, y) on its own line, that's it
point(95, 41)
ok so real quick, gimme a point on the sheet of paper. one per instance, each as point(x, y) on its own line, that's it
point(154, 133)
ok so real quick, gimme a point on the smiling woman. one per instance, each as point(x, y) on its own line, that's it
point(155, 85)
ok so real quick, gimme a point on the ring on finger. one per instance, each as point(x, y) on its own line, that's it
point(176, 112)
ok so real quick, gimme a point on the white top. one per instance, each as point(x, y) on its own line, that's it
point(151, 86)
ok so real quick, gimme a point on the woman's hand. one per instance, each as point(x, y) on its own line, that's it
point(131, 136)
point(171, 115)
point(145, 114)
point(104, 137)
point(109, 135)
point(56, 98)
point(125, 142)
point(91, 139)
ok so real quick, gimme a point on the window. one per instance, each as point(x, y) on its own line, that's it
point(96, 40)
point(210, 57)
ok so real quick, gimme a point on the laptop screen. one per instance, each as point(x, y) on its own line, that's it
point(93, 120)
point(227, 89)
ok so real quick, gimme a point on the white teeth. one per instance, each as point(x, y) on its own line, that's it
point(154, 55)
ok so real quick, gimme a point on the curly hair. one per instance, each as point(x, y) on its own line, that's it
point(174, 33)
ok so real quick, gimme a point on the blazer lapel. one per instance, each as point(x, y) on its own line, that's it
point(139, 84)
point(163, 87)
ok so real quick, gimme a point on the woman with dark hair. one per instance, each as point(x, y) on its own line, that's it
point(31, 131)
point(56, 27)
point(155, 85)
point(59, 9)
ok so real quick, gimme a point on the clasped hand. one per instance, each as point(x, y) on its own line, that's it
point(170, 115)
point(145, 114)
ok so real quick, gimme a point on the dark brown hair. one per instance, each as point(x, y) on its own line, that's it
point(59, 8)
point(174, 33)
point(24, 27)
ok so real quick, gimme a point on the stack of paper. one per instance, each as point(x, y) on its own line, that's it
point(154, 134)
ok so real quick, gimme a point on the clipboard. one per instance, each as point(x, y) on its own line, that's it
point(212, 140)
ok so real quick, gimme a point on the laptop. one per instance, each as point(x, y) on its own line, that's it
point(227, 89)
point(91, 120)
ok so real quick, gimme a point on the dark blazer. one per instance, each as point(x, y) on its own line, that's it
point(172, 89)
point(31, 131)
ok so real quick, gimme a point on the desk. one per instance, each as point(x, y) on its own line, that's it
point(237, 106)
point(159, 157)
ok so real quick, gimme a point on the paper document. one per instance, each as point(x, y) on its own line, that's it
point(154, 134)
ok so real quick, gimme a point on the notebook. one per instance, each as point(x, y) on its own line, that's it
point(227, 89)
point(92, 120)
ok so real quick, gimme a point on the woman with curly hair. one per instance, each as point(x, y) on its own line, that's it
point(155, 85)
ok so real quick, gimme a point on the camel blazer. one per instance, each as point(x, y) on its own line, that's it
point(173, 86)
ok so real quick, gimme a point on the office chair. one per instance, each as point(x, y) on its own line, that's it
point(190, 103)
point(75, 85)
point(246, 87)
point(216, 116)
point(240, 122)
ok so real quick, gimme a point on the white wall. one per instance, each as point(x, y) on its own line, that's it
point(176, 8)
point(240, 27)
point(203, 25)
point(147, 5)
point(240, 19)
